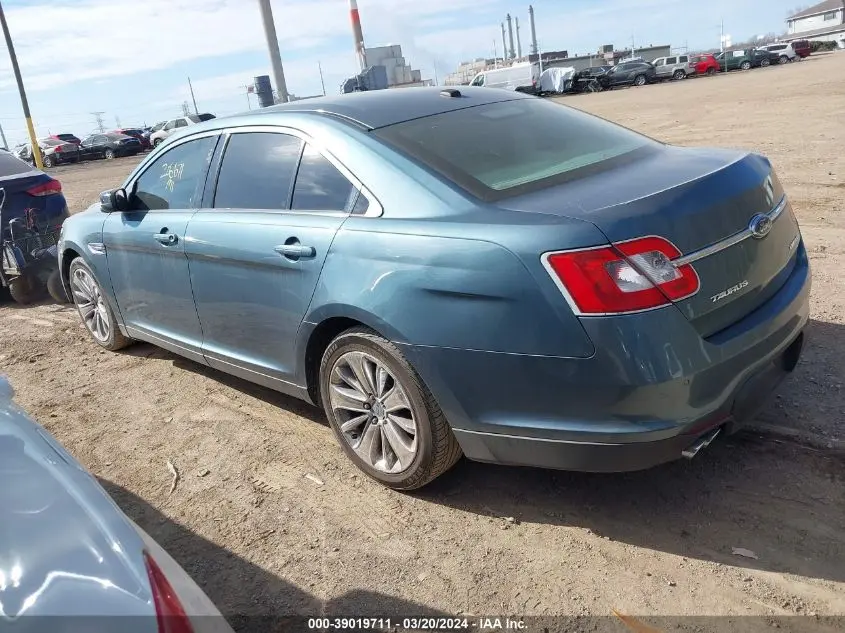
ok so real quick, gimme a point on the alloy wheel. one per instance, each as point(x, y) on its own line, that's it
point(373, 412)
point(90, 303)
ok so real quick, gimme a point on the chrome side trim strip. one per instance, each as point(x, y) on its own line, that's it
point(732, 240)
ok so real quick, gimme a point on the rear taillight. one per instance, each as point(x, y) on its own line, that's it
point(58, 148)
point(625, 277)
point(49, 188)
point(170, 614)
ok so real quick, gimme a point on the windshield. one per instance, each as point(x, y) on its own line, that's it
point(512, 147)
point(158, 126)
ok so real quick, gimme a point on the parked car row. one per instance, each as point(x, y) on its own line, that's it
point(638, 72)
point(60, 149)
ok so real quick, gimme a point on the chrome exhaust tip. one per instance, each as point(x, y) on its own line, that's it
point(702, 442)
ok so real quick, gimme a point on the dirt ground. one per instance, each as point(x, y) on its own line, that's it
point(262, 538)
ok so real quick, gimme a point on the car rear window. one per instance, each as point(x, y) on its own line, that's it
point(512, 147)
point(66, 137)
point(11, 165)
point(51, 142)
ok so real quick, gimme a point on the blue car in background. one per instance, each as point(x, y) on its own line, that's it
point(452, 272)
point(32, 210)
point(70, 560)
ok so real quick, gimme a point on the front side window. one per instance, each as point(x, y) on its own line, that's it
point(319, 184)
point(175, 180)
point(511, 147)
point(478, 81)
point(257, 171)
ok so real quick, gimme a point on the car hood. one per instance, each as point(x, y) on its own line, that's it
point(65, 547)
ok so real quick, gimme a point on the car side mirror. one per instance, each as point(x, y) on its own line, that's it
point(114, 200)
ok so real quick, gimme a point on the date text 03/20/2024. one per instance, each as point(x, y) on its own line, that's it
point(417, 624)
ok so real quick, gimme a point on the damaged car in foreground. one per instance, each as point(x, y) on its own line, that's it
point(459, 271)
point(70, 560)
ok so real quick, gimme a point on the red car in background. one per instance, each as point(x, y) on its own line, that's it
point(801, 48)
point(135, 133)
point(704, 64)
point(66, 138)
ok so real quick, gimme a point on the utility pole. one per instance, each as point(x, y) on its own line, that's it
point(36, 150)
point(98, 117)
point(436, 81)
point(3, 134)
point(322, 83)
point(193, 98)
point(518, 41)
point(273, 49)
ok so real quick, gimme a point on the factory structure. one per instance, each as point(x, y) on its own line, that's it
point(512, 52)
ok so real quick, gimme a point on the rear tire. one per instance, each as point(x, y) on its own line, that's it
point(47, 161)
point(679, 74)
point(157, 142)
point(784, 59)
point(25, 289)
point(435, 448)
point(109, 154)
point(56, 289)
point(711, 72)
point(639, 80)
point(765, 62)
point(745, 66)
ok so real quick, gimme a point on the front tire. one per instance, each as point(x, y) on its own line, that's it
point(784, 59)
point(385, 418)
point(93, 307)
point(157, 142)
point(711, 71)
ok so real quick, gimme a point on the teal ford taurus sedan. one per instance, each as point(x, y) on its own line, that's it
point(453, 272)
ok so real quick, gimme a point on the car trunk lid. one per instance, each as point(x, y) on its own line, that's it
point(697, 199)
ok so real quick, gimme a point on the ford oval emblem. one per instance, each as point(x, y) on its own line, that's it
point(760, 226)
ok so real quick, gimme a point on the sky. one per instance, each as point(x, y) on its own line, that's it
point(131, 60)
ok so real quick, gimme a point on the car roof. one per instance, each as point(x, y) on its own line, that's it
point(380, 108)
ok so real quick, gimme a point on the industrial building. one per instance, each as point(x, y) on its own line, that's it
point(399, 72)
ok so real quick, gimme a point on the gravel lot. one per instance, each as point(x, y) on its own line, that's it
point(261, 538)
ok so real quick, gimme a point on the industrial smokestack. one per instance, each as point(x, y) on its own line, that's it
point(511, 52)
point(518, 41)
point(534, 48)
point(504, 43)
point(358, 34)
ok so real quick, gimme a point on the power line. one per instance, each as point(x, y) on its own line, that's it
point(98, 117)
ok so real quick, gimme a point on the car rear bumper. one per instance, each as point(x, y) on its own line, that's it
point(651, 390)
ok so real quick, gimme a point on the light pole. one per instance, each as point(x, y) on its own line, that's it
point(36, 151)
point(273, 48)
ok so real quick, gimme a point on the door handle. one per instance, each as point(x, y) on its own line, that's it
point(295, 251)
point(165, 238)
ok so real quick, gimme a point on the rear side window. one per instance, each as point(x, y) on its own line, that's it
point(257, 171)
point(671, 60)
point(175, 180)
point(503, 149)
point(319, 185)
point(11, 166)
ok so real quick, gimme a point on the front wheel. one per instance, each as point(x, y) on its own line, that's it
point(157, 142)
point(639, 80)
point(385, 418)
point(93, 307)
point(784, 59)
point(711, 72)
